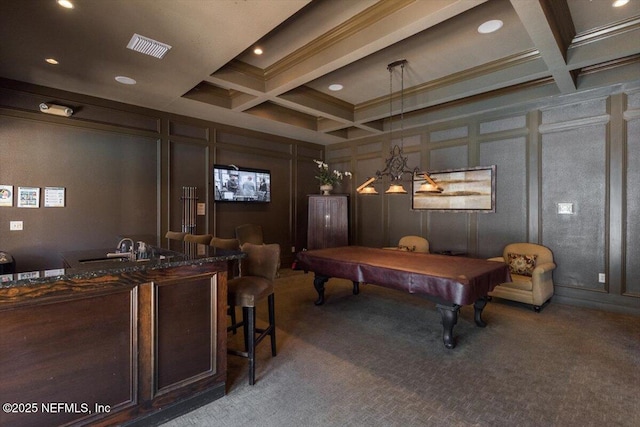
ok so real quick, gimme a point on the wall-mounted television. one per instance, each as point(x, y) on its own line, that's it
point(237, 184)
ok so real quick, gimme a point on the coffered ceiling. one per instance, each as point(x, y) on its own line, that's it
point(211, 72)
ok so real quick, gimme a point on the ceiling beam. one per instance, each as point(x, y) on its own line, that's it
point(551, 29)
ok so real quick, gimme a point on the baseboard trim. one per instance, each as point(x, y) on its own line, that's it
point(598, 305)
point(170, 412)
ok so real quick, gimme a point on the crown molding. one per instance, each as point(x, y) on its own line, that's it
point(600, 33)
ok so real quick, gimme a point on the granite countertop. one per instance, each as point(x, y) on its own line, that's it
point(89, 264)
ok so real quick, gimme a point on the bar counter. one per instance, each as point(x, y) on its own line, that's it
point(105, 342)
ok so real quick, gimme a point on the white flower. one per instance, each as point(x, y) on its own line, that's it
point(329, 177)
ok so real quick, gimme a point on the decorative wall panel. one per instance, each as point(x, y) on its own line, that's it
point(509, 222)
point(369, 209)
point(574, 171)
point(278, 211)
point(569, 112)
point(632, 264)
point(182, 129)
point(499, 125)
point(188, 167)
point(448, 134)
point(402, 220)
point(448, 231)
point(369, 148)
point(185, 330)
point(240, 140)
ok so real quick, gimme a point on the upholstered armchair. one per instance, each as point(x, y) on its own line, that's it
point(531, 268)
point(412, 244)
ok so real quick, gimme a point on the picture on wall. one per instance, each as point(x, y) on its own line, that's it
point(28, 197)
point(54, 197)
point(6, 195)
point(463, 190)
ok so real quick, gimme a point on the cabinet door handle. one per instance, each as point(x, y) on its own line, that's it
point(327, 220)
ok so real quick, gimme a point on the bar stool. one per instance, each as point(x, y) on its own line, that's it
point(203, 239)
point(257, 273)
point(233, 269)
point(175, 235)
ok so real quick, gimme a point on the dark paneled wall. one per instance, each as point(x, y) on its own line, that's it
point(110, 187)
point(580, 149)
point(123, 169)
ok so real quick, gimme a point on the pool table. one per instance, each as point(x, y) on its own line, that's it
point(450, 282)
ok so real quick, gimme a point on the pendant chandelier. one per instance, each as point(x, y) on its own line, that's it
point(396, 165)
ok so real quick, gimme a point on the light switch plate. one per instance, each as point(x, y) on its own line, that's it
point(565, 208)
point(15, 225)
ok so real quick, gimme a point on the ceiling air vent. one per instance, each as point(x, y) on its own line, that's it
point(148, 46)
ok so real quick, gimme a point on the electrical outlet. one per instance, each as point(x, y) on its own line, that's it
point(602, 278)
point(15, 225)
point(293, 249)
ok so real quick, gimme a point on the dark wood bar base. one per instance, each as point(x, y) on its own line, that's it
point(180, 408)
point(128, 348)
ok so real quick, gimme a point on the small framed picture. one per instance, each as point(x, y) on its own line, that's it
point(28, 197)
point(6, 195)
point(54, 197)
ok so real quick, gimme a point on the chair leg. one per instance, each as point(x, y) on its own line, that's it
point(249, 328)
point(272, 324)
point(250, 339)
point(245, 326)
point(232, 313)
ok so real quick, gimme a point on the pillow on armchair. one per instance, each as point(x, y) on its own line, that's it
point(521, 264)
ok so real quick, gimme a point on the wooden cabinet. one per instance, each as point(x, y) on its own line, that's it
point(328, 223)
point(115, 349)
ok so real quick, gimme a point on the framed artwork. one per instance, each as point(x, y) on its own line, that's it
point(54, 197)
point(463, 190)
point(6, 195)
point(28, 197)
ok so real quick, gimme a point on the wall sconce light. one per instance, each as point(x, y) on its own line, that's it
point(56, 110)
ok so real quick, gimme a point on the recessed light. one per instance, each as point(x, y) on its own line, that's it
point(258, 51)
point(490, 26)
point(620, 3)
point(52, 61)
point(336, 87)
point(66, 4)
point(125, 80)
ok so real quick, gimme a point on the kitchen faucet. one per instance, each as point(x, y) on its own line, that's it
point(122, 248)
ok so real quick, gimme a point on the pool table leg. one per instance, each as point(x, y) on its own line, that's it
point(318, 283)
point(449, 315)
point(356, 287)
point(478, 306)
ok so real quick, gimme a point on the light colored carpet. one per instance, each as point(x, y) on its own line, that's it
point(377, 359)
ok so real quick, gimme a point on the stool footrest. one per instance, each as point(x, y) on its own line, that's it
point(263, 333)
point(238, 353)
point(252, 334)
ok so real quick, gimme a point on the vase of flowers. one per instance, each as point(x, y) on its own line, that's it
point(326, 189)
point(328, 178)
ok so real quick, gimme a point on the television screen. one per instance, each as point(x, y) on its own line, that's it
point(234, 184)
